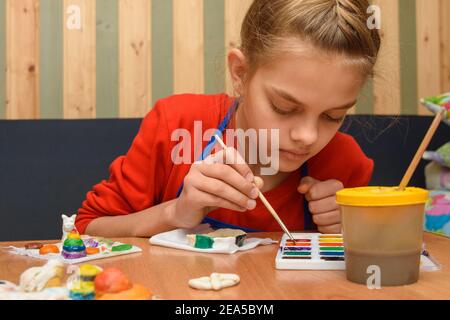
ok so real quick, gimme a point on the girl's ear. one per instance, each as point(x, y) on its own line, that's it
point(238, 68)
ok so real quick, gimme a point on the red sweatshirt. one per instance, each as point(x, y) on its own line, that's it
point(146, 175)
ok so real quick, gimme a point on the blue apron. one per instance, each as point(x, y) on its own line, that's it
point(216, 224)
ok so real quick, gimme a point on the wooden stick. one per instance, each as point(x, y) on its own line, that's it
point(425, 142)
point(264, 200)
point(275, 215)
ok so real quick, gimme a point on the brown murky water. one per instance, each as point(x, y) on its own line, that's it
point(396, 269)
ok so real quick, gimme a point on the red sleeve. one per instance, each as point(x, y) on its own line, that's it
point(342, 159)
point(135, 179)
point(362, 173)
point(361, 167)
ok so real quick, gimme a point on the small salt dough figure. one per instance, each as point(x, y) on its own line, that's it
point(83, 287)
point(73, 246)
point(216, 281)
point(34, 246)
point(68, 225)
point(48, 249)
point(113, 284)
point(220, 237)
point(39, 278)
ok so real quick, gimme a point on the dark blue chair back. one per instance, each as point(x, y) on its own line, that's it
point(48, 166)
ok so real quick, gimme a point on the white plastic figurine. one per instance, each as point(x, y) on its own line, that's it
point(68, 225)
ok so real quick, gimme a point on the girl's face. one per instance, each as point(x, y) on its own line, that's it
point(306, 97)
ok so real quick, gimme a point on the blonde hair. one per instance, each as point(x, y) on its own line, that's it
point(335, 26)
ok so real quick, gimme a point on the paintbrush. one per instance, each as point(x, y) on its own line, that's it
point(264, 200)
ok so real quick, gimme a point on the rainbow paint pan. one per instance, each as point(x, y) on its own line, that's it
point(311, 251)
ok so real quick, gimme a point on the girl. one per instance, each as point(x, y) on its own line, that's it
point(299, 69)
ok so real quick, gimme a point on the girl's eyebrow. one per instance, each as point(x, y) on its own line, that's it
point(287, 96)
point(292, 99)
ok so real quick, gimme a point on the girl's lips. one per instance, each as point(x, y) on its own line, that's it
point(293, 155)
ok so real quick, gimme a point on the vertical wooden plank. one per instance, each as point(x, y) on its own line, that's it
point(365, 99)
point(386, 83)
point(135, 58)
point(2, 59)
point(79, 60)
point(445, 45)
point(22, 43)
point(235, 11)
point(408, 54)
point(162, 49)
point(107, 60)
point(428, 50)
point(214, 46)
point(51, 59)
point(188, 46)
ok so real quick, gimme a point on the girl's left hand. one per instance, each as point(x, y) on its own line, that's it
point(321, 196)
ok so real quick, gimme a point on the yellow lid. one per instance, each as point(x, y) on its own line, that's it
point(381, 196)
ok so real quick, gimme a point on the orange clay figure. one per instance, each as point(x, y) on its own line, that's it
point(90, 250)
point(48, 248)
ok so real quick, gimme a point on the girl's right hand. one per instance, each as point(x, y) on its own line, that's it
point(222, 180)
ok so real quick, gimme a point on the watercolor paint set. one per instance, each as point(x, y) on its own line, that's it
point(316, 251)
point(311, 251)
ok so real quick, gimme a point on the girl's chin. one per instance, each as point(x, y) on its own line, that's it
point(290, 165)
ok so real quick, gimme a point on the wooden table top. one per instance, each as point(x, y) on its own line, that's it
point(166, 272)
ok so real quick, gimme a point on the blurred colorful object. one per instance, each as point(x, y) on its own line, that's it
point(441, 155)
point(437, 173)
point(438, 104)
point(437, 213)
point(437, 177)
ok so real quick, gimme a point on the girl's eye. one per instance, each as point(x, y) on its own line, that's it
point(332, 119)
point(280, 111)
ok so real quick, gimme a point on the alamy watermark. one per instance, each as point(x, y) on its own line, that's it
point(73, 21)
point(374, 20)
point(260, 145)
point(374, 279)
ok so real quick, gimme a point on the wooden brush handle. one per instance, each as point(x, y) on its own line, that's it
point(425, 142)
point(264, 201)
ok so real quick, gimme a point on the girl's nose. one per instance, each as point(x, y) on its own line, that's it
point(305, 134)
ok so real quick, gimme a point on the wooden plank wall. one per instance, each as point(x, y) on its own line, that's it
point(428, 49)
point(22, 59)
point(79, 59)
point(386, 86)
point(235, 11)
point(126, 54)
point(188, 45)
point(445, 44)
point(134, 57)
point(107, 58)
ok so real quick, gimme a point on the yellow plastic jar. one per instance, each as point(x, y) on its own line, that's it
point(383, 228)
